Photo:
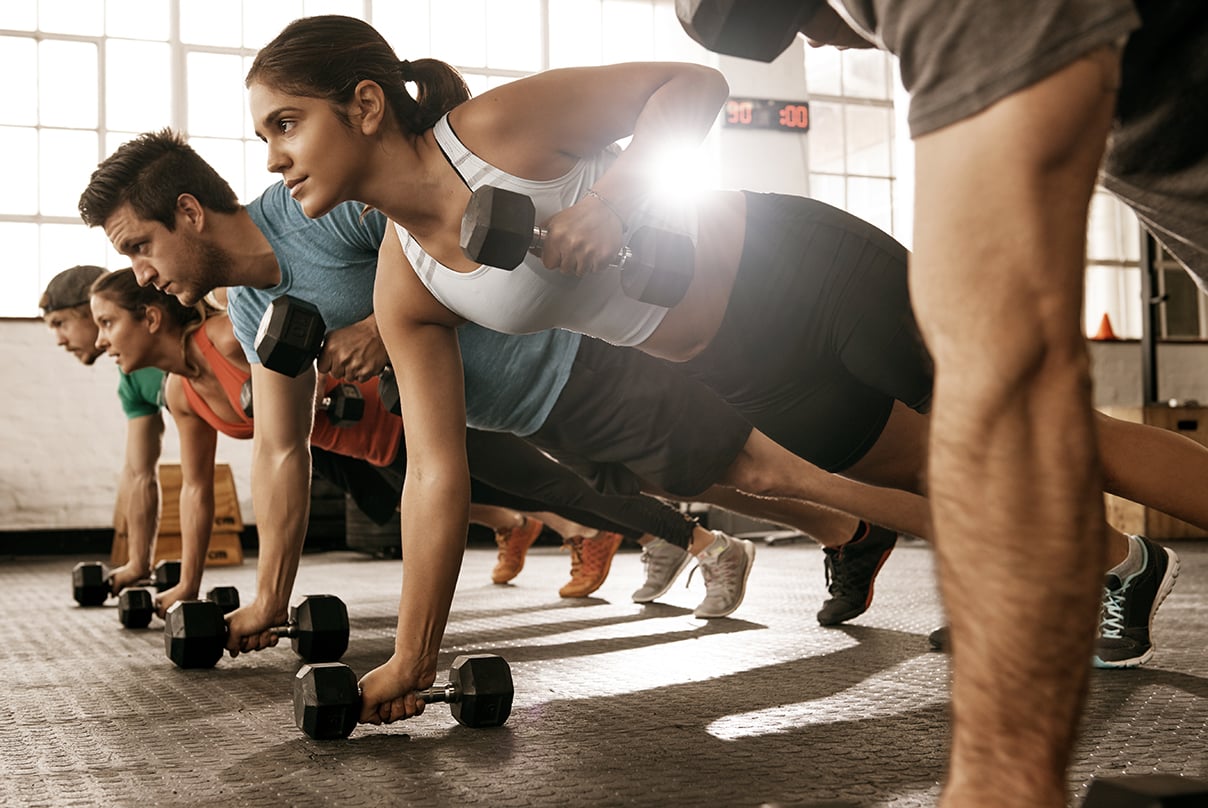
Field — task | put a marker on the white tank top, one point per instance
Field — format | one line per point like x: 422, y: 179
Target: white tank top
x: 532, y: 298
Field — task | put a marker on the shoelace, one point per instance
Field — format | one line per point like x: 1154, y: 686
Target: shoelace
x: 711, y: 571
x: 1112, y: 616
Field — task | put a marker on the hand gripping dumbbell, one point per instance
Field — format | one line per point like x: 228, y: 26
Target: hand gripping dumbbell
x: 327, y: 697
x: 90, y: 584
x: 499, y: 228
x: 741, y: 28
x: 136, y: 605
x: 195, y: 633
x: 343, y: 404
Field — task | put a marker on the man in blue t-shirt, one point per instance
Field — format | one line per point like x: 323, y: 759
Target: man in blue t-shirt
x: 66, y: 311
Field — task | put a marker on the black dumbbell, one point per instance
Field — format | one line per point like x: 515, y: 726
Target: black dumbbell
x: 136, y: 604
x: 290, y: 336
x: 327, y: 698
x: 195, y: 632
x: 758, y: 31
x: 1146, y: 791
x: 499, y: 228
x: 344, y: 405
x: 90, y: 584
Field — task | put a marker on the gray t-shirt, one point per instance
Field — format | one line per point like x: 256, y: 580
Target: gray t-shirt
x: 960, y: 56
x: 512, y: 382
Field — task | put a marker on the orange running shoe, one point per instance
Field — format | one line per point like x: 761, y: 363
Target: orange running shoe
x: 590, y: 560
x: 513, y: 546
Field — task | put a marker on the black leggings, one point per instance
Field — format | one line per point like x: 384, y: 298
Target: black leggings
x: 819, y: 337
x: 507, y: 471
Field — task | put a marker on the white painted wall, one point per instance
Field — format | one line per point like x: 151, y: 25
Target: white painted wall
x: 63, y: 437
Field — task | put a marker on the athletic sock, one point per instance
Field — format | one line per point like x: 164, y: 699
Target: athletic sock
x: 1131, y: 564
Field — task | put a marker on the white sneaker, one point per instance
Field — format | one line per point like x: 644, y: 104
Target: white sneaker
x: 724, y: 565
x: 664, y: 562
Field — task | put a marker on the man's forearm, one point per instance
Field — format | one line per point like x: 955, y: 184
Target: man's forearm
x: 281, y: 501
x: 139, y: 491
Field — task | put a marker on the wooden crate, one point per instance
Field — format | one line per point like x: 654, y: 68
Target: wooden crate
x: 225, y: 547
x: 1132, y: 517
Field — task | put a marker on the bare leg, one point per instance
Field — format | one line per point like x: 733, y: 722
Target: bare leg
x: 565, y: 527
x: 1152, y: 466
x: 1014, y: 475
x: 497, y: 518
x: 828, y: 527
x: 766, y: 469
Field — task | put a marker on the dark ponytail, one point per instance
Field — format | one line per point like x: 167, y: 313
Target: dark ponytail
x: 327, y: 56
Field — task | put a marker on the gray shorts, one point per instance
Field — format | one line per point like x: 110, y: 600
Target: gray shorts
x: 624, y: 418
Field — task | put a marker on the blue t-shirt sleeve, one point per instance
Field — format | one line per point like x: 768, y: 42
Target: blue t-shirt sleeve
x: 245, y: 310
x: 363, y: 230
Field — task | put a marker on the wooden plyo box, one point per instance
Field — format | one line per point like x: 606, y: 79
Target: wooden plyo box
x: 225, y: 548
x: 1132, y: 517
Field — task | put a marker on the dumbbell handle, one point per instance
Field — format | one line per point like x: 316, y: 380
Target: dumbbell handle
x: 447, y: 693
x: 538, y: 245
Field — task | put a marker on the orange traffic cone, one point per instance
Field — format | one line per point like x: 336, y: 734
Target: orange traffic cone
x: 1105, y: 329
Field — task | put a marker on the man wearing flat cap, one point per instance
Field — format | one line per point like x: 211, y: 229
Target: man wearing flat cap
x: 66, y: 310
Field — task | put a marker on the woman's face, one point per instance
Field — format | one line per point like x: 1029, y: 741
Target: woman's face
x: 316, y: 152
x: 121, y: 335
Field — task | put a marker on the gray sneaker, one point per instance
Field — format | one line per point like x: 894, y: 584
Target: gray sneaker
x: 725, y: 570
x: 664, y: 562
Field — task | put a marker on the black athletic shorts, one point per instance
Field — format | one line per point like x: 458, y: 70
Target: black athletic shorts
x: 623, y: 418
x: 819, y: 337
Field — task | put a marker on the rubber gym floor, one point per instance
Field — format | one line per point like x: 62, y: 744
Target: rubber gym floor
x: 615, y: 703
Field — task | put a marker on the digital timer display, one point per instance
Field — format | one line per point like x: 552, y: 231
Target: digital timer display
x: 767, y: 113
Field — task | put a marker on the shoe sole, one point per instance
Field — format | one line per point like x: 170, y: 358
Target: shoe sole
x: 670, y: 581
x: 748, y: 549
x: 1172, y: 575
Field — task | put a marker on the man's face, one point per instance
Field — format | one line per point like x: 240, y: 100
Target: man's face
x: 74, y: 330
x: 180, y: 262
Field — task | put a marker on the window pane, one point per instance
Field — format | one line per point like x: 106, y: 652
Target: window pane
x: 574, y: 32
x: 671, y: 44
x: 19, y: 99
x: 829, y: 188
x: 227, y: 157
x: 264, y: 19
x: 138, y: 93
x: 215, y: 94
x: 459, y: 32
x: 628, y: 31
x: 865, y: 73
x: 137, y: 19
x: 1113, y: 233
x: 349, y: 8
x: 20, y: 289
x: 66, y: 245
x: 18, y: 16
x: 211, y: 22
x: 19, y: 168
x: 67, y: 160
x: 405, y: 24
x: 71, y: 16
x: 515, y: 40
x: 826, y: 137
x: 1181, y: 311
x: 67, y: 73
x: 1117, y: 293
x: 871, y: 200
x: 822, y: 71
x: 868, y: 140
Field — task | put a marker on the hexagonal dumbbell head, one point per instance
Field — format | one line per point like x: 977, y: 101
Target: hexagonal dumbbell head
x: 758, y: 31
x: 245, y: 398
x: 165, y: 575
x: 343, y: 404
x: 484, y: 691
x: 226, y: 598
x: 319, y: 628
x: 194, y: 633
x: 660, y: 268
x: 327, y: 700
x: 290, y: 336
x: 388, y: 392
x: 135, y: 606
x: 1146, y: 791
x: 497, y: 227
x: 90, y: 583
